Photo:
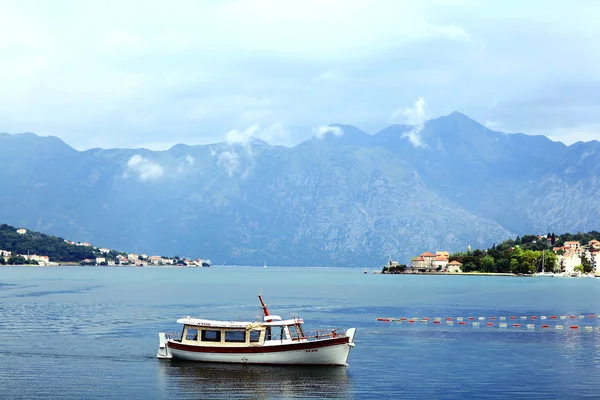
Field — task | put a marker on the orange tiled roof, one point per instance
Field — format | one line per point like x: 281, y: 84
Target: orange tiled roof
x: 427, y: 254
x: 441, y: 258
x: 419, y: 259
x: 454, y: 263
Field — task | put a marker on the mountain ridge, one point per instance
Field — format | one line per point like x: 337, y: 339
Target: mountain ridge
x: 325, y: 201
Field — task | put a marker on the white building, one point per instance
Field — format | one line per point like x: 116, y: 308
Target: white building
x: 569, y: 261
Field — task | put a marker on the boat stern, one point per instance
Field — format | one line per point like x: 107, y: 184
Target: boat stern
x: 163, y: 349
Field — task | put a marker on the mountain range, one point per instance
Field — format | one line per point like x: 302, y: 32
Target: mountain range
x: 345, y: 197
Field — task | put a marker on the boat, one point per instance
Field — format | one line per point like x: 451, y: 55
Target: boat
x: 366, y: 270
x: 265, y: 263
x: 206, y: 263
x: 271, y: 340
x: 543, y: 273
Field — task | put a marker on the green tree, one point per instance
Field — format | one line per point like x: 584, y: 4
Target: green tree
x: 587, y: 265
x: 528, y: 261
x: 579, y: 268
x: 514, y: 265
x: 488, y: 264
x: 550, y: 261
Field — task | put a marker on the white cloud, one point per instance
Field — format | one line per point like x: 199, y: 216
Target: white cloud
x: 415, y: 116
x: 136, y: 75
x: 235, y: 136
x: 143, y: 168
x: 321, y: 131
x: 412, y: 115
x: 330, y: 76
x: 230, y: 161
x: 276, y: 133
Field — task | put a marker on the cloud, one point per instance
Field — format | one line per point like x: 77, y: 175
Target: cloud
x: 235, y: 136
x: 415, y: 116
x: 133, y: 76
x: 321, y: 131
x: 276, y: 133
x: 330, y: 76
x: 143, y: 168
x: 230, y: 161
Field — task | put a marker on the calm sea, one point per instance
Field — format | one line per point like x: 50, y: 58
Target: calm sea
x: 87, y: 333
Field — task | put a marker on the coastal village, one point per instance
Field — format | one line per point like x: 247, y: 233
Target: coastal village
x: 107, y: 257
x: 570, y: 258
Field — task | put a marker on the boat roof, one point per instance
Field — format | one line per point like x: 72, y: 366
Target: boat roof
x: 235, y: 324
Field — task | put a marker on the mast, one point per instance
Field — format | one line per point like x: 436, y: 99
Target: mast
x: 543, y: 260
x: 263, y: 305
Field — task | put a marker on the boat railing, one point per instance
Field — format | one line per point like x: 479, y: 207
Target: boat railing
x: 176, y: 336
x: 326, y: 333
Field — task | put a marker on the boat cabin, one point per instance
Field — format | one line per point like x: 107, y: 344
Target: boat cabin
x: 204, y: 332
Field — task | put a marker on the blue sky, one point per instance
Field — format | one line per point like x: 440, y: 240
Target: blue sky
x: 153, y: 74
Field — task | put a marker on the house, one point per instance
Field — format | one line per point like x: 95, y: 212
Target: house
x: 454, y: 267
x: 155, y: 260
x: 132, y: 257
x: 595, y: 260
x: 110, y: 262
x: 42, y: 260
x: 440, y: 262
x: 104, y: 250
x: 21, y: 231
x: 569, y: 261
x: 5, y: 253
x: 423, y: 262
x: 100, y: 260
x: 594, y: 244
x: 572, y: 245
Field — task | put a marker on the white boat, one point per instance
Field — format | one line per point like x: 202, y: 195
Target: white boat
x: 270, y: 341
x: 543, y: 273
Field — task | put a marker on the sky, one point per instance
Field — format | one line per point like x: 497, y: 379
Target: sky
x: 156, y: 73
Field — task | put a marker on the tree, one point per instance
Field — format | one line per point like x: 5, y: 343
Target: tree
x: 587, y: 265
x: 529, y: 261
x: 553, y: 239
x: 550, y: 261
x: 488, y: 264
x: 514, y: 265
x: 579, y: 268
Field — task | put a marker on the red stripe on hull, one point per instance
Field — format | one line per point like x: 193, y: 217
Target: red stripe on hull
x: 259, y: 349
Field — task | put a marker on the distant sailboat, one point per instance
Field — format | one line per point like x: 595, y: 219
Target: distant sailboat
x: 543, y: 273
x: 366, y: 270
x: 265, y: 263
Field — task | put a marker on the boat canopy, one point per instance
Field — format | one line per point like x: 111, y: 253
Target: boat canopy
x: 213, y: 323
x: 236, y: 324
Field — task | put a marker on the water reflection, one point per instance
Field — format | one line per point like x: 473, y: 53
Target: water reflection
x: 183, y: 379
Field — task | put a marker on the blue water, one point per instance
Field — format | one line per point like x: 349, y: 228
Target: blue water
x: 87, y: 333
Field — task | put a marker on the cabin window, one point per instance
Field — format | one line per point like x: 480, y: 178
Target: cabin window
x: 211, y: 336
x: 191, y: 334
x: 254, y: 336
x: 275, y: 333
x: 235, y: 336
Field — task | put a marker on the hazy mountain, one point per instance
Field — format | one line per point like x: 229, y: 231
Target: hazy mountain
x: 344, y: 197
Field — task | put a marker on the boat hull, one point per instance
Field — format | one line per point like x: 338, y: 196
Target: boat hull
x: 333, y: 351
